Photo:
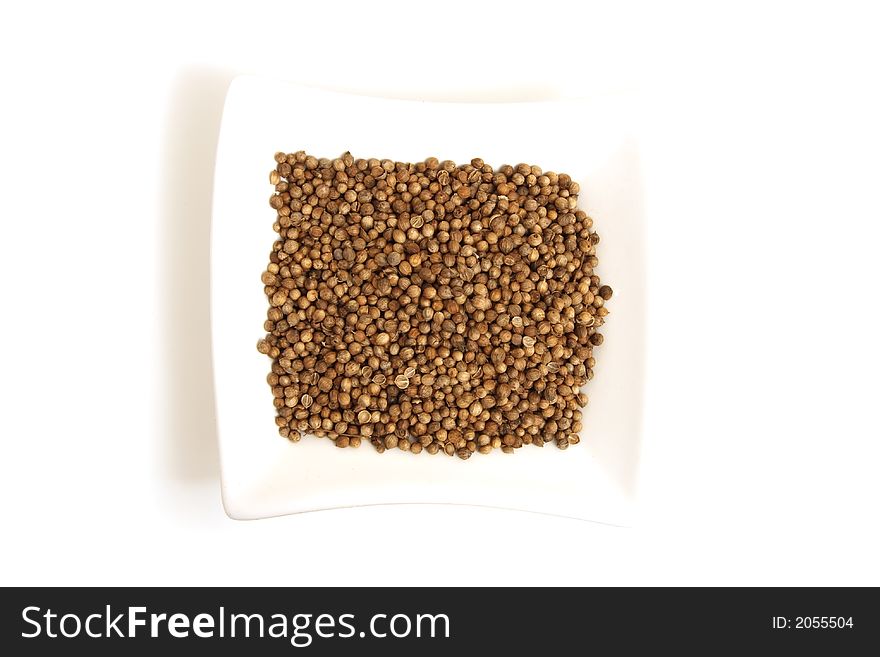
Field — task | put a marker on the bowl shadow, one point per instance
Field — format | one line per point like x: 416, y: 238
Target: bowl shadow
x: 192, y: 128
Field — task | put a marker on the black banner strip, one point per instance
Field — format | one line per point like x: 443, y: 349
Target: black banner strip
x: 435, y: 621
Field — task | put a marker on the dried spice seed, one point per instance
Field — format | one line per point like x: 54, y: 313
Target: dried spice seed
x: 430, y: 307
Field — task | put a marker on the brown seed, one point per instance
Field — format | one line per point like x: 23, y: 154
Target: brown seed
x: 472, y: 290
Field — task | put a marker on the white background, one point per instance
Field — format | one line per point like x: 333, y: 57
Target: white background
x: 761, y: 159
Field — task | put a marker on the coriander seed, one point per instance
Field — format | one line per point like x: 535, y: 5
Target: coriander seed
x: 430, y: 307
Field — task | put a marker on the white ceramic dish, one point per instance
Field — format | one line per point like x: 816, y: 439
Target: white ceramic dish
x: 265, y: 475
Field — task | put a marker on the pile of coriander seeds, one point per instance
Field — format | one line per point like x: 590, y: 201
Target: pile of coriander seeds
x: 430, y: 307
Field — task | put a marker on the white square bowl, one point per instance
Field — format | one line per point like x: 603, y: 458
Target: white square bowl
x: 592, y: 140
